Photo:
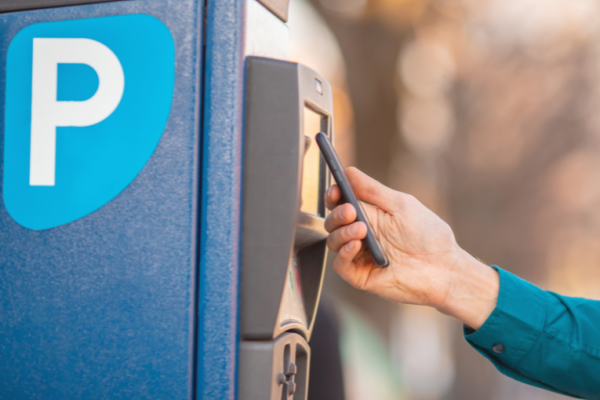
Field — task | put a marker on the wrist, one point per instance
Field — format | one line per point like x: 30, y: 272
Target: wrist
x: 473, y: 291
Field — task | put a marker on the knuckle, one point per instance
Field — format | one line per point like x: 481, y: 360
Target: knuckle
x: 405, y: 198
x: 333, y: 241
x: 330, y: 243
x: 336, y: 264
x: 329, y: 223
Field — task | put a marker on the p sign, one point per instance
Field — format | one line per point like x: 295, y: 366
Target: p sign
x: 87, y: 102
x: 47, y: 113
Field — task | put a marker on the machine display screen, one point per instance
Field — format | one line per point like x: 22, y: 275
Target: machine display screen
x: 312, y: 176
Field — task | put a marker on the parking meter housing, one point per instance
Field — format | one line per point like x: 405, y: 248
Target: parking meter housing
x: 283, y: 236
x: 105, y: 306
x: 141, y: 298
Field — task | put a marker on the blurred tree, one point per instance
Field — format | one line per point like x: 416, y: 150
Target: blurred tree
x: 516, y: 171
x: 371, y: 51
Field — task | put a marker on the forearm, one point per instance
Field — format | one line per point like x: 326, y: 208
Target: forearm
x: 542, y: 338
x: 531, y: 335
x: 473, y: 291
x: 537, y: 337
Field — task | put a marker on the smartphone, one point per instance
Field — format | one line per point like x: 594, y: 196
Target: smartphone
x: 349, y: 196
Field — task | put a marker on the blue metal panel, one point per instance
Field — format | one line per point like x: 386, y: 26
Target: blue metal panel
x: 221, y: 201
x: 104, y: 307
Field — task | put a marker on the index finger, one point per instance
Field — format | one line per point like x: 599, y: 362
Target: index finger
x: 333, y: 197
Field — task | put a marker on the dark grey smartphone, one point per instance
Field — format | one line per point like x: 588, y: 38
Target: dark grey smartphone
x: 349, y: 196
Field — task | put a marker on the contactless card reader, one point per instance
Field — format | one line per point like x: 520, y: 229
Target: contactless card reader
x: 283, y: 234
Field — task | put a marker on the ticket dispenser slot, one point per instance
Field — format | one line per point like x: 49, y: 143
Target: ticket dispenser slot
x: 283, y: 234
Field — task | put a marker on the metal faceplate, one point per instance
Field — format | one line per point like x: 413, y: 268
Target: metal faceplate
x: 276, y: 237
x: 274, y: 370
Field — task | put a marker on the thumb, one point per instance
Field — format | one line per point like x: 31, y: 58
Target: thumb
x: 370, y: 190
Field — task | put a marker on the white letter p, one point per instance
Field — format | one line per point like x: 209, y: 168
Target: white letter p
x: 47, y: 113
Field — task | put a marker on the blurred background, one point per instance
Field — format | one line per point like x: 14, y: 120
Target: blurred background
x: 487, y: 112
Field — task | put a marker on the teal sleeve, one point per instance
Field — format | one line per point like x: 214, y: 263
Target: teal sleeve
x: 542, y: 338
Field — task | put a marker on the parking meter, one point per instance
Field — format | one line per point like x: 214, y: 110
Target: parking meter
x: 162, y: 199
x: 283, y: 234
x: 99, y: 219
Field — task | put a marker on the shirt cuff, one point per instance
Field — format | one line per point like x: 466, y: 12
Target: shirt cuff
x: 514, y: 325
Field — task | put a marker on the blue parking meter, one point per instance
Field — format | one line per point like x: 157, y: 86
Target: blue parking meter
x: 99, y: 219
x: 122, y: 213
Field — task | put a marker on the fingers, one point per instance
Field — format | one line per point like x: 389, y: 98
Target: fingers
x: 342, y: 263
x: 372, y: 191
x: 340, y: 237
x: 333, y: 197
x: 340, y: 216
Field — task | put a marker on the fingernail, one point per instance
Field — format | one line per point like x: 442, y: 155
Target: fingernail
x: 353, y: 229
x: 349, y: 246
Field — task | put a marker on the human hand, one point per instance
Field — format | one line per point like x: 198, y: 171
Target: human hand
x: 427, y: 267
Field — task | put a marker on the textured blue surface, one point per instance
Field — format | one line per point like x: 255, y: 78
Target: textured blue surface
x: 221, y: 201
x: 103, y: 308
